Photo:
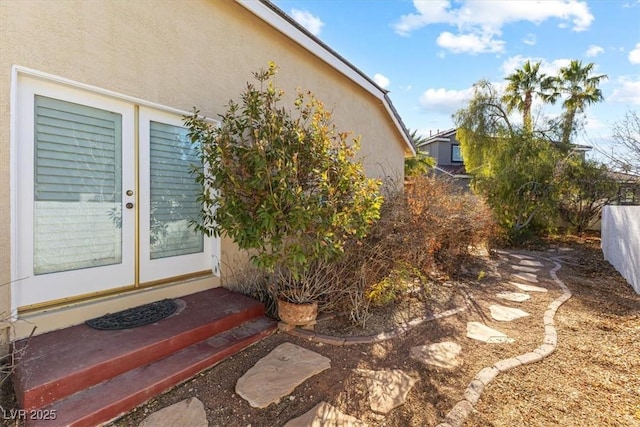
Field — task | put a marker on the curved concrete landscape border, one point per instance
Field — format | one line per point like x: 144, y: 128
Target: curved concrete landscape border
x: 461, y: 410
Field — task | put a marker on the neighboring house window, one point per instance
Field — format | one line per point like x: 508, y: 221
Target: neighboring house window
x: 456, y: 156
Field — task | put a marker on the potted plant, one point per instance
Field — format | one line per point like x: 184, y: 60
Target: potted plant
x: 287, y: 186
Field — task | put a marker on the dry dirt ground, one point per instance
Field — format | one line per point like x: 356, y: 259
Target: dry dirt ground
x: 592, y: 379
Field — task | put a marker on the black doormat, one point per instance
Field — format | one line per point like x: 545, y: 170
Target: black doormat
x: 136, y: 316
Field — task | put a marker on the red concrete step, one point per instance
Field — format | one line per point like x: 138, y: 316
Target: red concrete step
x: 113, y: 398
x: 60, y: 363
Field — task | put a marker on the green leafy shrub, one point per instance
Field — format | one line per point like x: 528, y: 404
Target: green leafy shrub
x: 583, y: 189
x: 282, y: 183
x: 399, y: 281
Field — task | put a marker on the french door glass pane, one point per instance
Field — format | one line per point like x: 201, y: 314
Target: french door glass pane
x: 173, y: 193
x: 78, y: 184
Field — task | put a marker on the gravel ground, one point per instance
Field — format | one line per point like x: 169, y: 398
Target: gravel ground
x: 592, y: 379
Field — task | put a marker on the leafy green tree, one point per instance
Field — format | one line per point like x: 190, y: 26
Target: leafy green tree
x: 580, y: 88
x: 283, y: 183
x: 511, y: 167
x: 525, y: 178
x: 583, y: 188
x: 523, y: 84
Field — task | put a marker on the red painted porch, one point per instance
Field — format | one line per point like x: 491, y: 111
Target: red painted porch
x: 87, y: 377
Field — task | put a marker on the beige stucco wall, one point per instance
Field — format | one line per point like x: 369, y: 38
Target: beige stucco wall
x: 178, y: 54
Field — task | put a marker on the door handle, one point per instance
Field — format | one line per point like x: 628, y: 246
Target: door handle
x: 129, y: 205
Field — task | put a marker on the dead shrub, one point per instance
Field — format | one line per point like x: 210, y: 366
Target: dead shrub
x: 451, y: 222
x: 429, y: 227
x: 432, y: 225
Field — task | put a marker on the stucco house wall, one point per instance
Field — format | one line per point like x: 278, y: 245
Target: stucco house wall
x: 180, y: 55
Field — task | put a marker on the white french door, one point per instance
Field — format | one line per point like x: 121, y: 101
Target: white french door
x: 168, y: 245
x: 104, y: 195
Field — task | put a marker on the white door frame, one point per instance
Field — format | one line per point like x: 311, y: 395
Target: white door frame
x: 31, y: 288
x: 24, y: 83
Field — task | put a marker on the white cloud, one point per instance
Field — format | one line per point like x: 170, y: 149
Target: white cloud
x: 470, y: 43
x: 381, y: 80
x: 627, y: 92
x: 594, y: 50
x: 312, y: 23
x: 480, y: 22
x: 530, y: 39
x: 634, y: 55
x: 510, y: 64
x: 594, y: 124
x: 445, y: 101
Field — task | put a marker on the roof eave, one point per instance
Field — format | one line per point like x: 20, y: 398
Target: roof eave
x: 282, y: 22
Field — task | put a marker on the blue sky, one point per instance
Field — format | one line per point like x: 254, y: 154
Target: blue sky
x: 429, y: 53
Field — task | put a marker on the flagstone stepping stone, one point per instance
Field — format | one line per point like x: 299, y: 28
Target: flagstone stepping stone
x: 521, y: 257
x: 527, y: 277
x: 188, y: 412
x: 441, y: 354
x: 387, y: 389
x: 481, y: 332
x: 506, y: 314
x: 513, y: 296
x: 525, y: 268
x: 531, y: 263
x: 279, y: 373
x: 324, y: 414
x: 529, y: 288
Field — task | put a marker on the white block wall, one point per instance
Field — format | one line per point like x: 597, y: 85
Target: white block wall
x: 621, y: 241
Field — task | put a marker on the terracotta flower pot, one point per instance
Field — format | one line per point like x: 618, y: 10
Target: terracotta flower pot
x: 297, y: 314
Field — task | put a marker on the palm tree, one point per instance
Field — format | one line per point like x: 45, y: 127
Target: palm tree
x: 581, y: 89
x: 421, y: 163
x: 418, y: 140
x: 523, y: 84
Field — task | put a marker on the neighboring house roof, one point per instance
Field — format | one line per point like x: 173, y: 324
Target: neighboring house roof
x: 282, y: 22
x: 622, y: 177
x: 444, y: 136
x: 581, y: 147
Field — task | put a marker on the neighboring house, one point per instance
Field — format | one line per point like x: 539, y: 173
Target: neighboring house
x: 445, y: 149
x: 92, y: 99
x: 628, y: 192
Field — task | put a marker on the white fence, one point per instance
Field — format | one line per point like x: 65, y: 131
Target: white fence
x: 621, y: 241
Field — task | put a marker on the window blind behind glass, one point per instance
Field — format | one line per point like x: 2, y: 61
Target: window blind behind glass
x: 174, y: 193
